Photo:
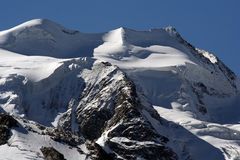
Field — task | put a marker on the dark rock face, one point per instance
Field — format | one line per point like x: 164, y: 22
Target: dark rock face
x: 121, y: 114
x: 97, y: 153
x: 92, y: 124
x: 92, y: 120
x: 6, y: 123
x: 4, y: 134
x: 7, y: 120
x: 50, y: 153
x: 140, y: 138
x: 111, y: 107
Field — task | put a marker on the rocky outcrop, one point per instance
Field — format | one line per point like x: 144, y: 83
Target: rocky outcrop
x: 7, y: 120
x: 4, y: 134
x: 130, y: 134
x: 6, y: 123
x: 50, y: 153
x: 66, y: 137
x: 109, y: 108
x: 111, y: 115
x: 97, y: 152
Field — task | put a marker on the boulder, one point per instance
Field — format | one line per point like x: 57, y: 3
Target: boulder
x: 50, y: 153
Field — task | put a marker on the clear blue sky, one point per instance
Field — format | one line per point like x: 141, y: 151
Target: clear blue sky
x: 213, y: 25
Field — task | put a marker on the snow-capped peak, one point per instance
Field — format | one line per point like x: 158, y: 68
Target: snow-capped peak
x: 115, y: 36
x: 43, y: 24
x: 109, y: 90
x: 44, y: 37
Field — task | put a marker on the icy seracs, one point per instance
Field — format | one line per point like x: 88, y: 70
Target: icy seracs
x: 123, y: 94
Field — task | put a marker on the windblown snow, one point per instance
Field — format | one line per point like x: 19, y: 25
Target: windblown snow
x: 189, y: 87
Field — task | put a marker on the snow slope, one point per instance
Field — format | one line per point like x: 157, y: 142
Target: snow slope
x: 188, y: 86
x: 27, y: 146
x: 195, y: 94
x: 44, y: 37
x: 30, y: 67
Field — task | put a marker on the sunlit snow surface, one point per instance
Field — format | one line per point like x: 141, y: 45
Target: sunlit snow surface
x: 163, y: 68
x: 34, y: 68
x: 163, y: 72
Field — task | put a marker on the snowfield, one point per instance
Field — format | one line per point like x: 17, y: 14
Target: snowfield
x: 45, y: 67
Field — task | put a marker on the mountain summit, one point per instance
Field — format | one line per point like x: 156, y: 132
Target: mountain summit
x: 122, y: 94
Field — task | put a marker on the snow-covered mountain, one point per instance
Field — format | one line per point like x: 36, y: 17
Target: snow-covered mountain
x: 123, y: 94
